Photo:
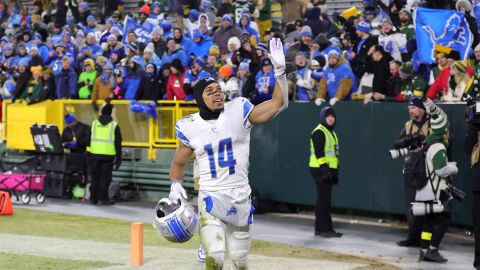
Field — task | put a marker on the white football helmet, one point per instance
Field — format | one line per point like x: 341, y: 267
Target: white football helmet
x: 176, y: 222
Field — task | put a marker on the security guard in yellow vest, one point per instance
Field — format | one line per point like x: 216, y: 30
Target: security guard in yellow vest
x: 412, y: 135
x: 104, y: 153
x: 324, y: 150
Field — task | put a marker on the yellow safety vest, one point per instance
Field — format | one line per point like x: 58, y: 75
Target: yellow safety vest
x: 331, y: 149
x: 102, y: 140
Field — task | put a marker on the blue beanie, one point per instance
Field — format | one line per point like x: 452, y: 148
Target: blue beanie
x: 200, y: 61
x: 108, y: 65
x: 306, y: 31
x: 206, y: 4
x: 155, y: 5
x: 91, y: 18
x: 4, y: 38
x: 70, y: 118
x: 9, y: 46
x: 197, y: 33
x: 363, y: 26
x: 83, y: 5
x: 417, y: 102
x: 227, y: 18
x: 194, y: 14
x: 23, y: 61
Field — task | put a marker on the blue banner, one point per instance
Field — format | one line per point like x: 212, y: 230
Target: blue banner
x: 143, y: 33
x: 448, y: 28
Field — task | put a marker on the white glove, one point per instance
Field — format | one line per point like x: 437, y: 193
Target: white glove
x: 277, y: 57
x: 319, y: 101
x: 177, y: 192
x: 333, y: 101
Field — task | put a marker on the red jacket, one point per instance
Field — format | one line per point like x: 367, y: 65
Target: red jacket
x: 440, y: 85
x: 175, y: 86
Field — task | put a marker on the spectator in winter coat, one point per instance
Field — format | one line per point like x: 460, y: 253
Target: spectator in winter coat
x: 316, y: 23
x: 149, y: 57
x: 104, y: 84
x: 306, y: 39
x: 300, y: 82
x: 36, y: 60
x: 111, y: 45
x: 244, y: 25
x: 159, y: 44
x: 66, y: 81
x: 174, y: 51
x: 48, y: 86
x: 132, y: 79
x: 184, y: 42
x: 21, y: 54
x: 22, y: 80
x: 86, y: 79
x: 201, y: 44
x: 264, y: 83
x: 406, y: 25
x: 392, y: 91
x: 43, y: 50
x: 393, y: 42
x: 228, y: 83
x: 149, y: 88
x: 193, y: 75
x: 411, y: 84
x: 175, y: 84
x: 378, y: 64
x: 451, y: 83
x: 442, y: 63
x: 466, y: 7
x: 246, y: 81
x: 31, y: 92
x: 337, y: 81
x: 360, y: 51
x: 225, y: 32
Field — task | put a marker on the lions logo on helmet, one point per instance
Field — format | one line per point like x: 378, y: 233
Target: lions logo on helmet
x: 176, y: 222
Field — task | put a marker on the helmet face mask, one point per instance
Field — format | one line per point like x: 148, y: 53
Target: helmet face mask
x: 175, y: 222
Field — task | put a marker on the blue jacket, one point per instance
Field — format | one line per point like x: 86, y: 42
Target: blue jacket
x: 130, y: 84
x: 335, y: 75
x: 66, y: 82
x: 178, y: 54
x: 44, y: 52
x: 154, y: 60
x: 264, y: 85
x: 201, y: 49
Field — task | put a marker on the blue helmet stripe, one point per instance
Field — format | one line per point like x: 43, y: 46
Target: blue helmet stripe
x: 178, y: 232
x: 174, y: 232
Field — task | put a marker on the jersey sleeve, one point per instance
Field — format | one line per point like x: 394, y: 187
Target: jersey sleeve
x: 181, y: 133
x: 247, y: 107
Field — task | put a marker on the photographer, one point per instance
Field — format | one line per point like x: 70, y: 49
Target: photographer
x: 472, y: 148
x: 411, y: 137
x: 434, y: 199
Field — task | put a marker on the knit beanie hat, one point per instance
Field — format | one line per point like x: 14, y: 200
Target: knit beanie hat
x: 363, y: 26
x: 227, y: 18
x: 461, y: 66
x: 89, y: 62
x: 70, y: 118
x: 214, y: 50
x: 406, y: 69
x: 438, y: 124
x: 262, y: 47
x: 306, y: 31
x: 226, y: 71
x: 387, y: 20
x: 417, y: 102
x: 406, y: 11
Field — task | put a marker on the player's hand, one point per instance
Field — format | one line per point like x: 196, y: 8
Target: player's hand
x: 277, y: 57
x: 177, y: 192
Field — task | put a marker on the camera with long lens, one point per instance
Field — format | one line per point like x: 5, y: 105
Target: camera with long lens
x: 426, y: 208
x: 396, y: 153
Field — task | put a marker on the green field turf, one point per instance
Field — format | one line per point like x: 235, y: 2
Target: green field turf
x: 48, y: 224
x: 15, y: 261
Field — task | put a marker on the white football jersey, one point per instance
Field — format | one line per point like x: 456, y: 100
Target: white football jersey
x: 222, y: 148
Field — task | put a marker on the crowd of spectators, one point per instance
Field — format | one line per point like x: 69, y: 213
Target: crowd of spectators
x: 60, y: 49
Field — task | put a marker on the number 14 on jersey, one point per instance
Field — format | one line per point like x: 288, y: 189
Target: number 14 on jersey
x: 225, y: 156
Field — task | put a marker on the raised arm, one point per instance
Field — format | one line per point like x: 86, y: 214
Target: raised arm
x: 264, y: 112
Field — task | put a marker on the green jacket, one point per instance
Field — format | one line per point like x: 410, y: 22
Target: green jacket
x: 85, y: 91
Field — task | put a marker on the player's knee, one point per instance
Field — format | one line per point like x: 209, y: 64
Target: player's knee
x: 239, y: 259
x: 215, y: 260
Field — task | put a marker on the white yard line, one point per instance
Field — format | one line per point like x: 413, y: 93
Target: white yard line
x: 154, y: 257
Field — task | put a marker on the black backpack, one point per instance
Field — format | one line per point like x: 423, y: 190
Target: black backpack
x: 417, y: 168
